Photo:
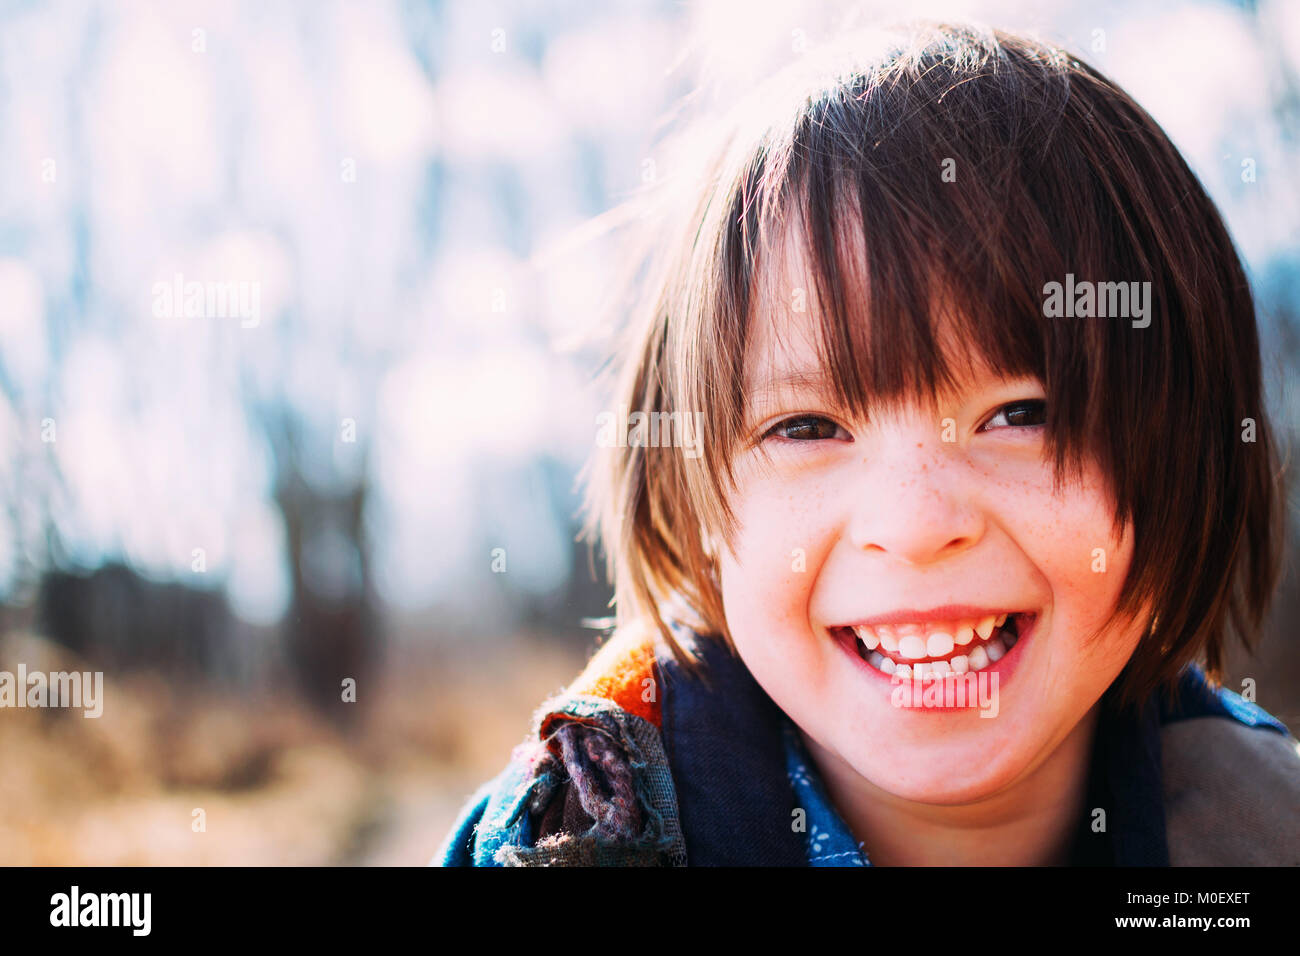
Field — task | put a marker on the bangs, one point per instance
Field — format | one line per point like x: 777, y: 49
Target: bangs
x: 893, y: 319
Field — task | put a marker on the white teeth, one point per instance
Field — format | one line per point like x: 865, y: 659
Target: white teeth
x: 939, y: 644
x: 910, y: 641
x: 912, y: 647
x: 868, y: 637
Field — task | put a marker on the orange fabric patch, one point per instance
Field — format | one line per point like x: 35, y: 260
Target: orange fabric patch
x: 623, y: 671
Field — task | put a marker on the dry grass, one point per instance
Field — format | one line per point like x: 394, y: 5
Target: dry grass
x: 277, y: 784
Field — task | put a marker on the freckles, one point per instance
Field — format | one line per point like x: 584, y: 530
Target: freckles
x: 1068, y: 537
x: 1086, y: 568
x: 1080, y: 554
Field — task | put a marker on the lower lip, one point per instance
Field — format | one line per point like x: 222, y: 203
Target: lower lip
x: 1003, y: 668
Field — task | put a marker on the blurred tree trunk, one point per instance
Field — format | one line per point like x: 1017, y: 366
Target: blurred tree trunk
x: 331, y: 629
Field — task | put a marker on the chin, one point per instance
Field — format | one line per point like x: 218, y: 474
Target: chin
x: 945, y: 769
x: 934, y: 785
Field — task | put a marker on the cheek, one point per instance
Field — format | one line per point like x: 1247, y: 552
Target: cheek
x: 1069, y: 539
x: 1067, y: 534
x: 1073, y: 546
x: 767, y: 584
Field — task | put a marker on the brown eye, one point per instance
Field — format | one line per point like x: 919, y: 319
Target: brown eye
x: 805, y: 428
x: 1026, y: 414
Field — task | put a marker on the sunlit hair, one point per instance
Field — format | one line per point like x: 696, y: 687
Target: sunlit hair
x: 1053, y: 170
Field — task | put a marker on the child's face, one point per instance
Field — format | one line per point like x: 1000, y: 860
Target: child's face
x: 856, y: 520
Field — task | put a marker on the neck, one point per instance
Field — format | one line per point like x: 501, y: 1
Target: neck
x: 1030, y: 823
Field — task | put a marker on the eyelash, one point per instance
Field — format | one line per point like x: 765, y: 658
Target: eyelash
x: 1038, y: 404
x: 795, y: 420
x: 1002, y: 410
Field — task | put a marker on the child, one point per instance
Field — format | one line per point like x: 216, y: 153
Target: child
x: 983, y: 484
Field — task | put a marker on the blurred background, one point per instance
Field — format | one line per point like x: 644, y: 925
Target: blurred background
x: 363, y: 465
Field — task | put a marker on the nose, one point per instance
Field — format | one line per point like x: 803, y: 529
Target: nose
x: 916, y: 502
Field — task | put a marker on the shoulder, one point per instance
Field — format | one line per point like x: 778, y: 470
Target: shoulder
x: 590, y: 784
x: 1231, y: 778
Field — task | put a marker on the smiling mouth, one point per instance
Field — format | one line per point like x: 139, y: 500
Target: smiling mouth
x: 957, y: 647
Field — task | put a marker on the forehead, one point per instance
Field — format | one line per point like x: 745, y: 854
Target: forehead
x: 789, y: 347
x: 784, y: 337
x: 784, y: 354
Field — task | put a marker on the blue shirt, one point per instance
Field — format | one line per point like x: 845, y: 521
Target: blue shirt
x: 829, y: 842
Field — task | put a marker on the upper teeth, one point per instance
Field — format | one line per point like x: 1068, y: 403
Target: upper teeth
x: 914, y: 642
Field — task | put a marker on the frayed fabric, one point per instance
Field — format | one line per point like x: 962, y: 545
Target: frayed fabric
x: 602, y: 792
x: 601, y: 774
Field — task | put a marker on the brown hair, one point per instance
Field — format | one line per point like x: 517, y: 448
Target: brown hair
x: 1057, y: 171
